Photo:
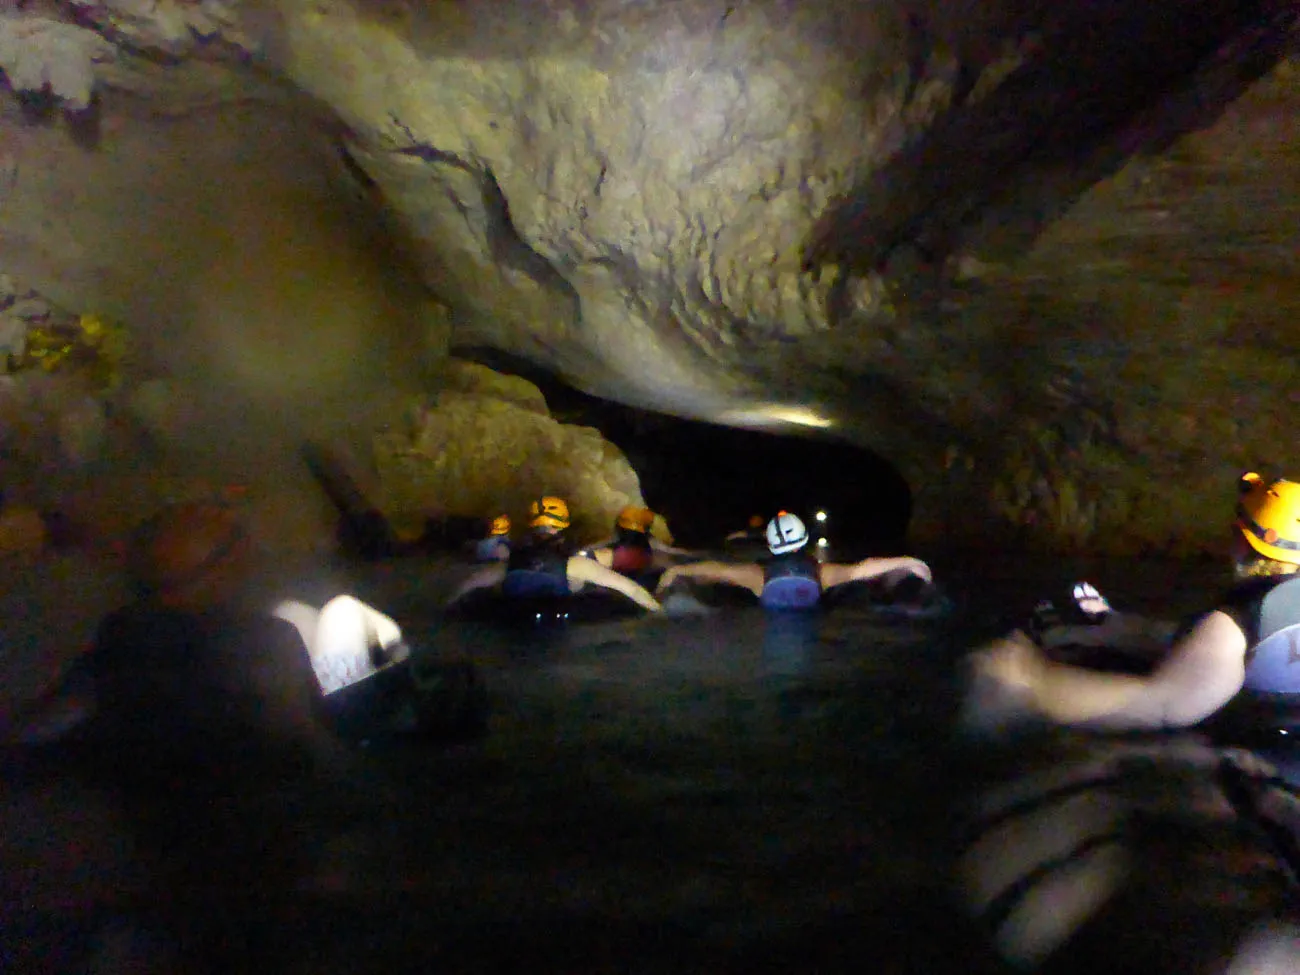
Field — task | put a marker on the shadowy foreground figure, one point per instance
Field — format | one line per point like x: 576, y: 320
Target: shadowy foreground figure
x: 204, y: 718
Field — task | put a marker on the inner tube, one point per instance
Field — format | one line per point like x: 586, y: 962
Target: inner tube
x: 381, y: 704
x: 416, y: 699
x: 791, y: 594
x: 1126, y: 643
x: 591, y: 605
x: 903, y: 598
x: 905, y: 601
x: 526, y: 584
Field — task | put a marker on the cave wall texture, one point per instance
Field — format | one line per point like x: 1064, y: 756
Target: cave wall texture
x: 1042, y: 256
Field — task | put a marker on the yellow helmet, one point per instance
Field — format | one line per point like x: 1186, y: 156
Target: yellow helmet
x: 500, y: 525
x: 636, y: 519
x: 549, y: 512
x: 1268, y: 516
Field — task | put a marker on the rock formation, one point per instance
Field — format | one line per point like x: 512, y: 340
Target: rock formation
x: 966, y: 235
x: 487, y: 444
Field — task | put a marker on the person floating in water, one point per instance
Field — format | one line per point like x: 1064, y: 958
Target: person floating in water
x: 633, y: 551
x: 1247, y: 643
x: 541, y: 566
x: 792, y: 578
x: 496, y: 546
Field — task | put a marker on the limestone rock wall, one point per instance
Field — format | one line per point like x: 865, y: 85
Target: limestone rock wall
x: 777, y: 214
x: 259, y: 288
x: 486, y: 444
x: 1143, y: 354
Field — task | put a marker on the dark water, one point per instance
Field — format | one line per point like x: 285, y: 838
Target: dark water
x: 725, y: 794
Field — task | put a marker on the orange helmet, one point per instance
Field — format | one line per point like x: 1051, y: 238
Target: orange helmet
x: 755, y: 521
x: 636, y: 519
x: 549, y: 512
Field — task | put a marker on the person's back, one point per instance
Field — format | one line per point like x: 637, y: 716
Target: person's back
x: 538, y: 566
x: 187, y: 684
x: 632, y: 552
x: 791, y: 577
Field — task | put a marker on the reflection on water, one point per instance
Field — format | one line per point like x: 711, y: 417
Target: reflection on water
x: 789, y: 642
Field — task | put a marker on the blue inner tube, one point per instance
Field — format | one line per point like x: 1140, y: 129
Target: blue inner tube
x: 413, y: 699
x: 791, y: 593
x: 903, y: 601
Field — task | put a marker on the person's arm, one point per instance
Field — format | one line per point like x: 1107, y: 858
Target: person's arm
x: 483, y: 578
x: 838, y: 575
x: 583, y: 570
x: 1203, y: 671
x: 746, y: 575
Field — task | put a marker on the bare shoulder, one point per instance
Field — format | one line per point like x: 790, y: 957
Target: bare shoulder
x: 834, y: 574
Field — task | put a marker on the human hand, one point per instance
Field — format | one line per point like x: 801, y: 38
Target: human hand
x: 919, y: 568
x: 666, y: 580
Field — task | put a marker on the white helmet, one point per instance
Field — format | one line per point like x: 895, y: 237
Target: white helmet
x: 786, y: 533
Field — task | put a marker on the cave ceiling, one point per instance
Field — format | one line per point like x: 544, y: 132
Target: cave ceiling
x: 1039, y: 245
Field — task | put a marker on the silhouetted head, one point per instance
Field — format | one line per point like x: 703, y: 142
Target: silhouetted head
x: 190, y: 555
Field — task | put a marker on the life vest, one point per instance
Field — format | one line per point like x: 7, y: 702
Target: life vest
x: 536, y: 571
x: 632, y: 552
x: 1273, y: 663
x: 791, y: 582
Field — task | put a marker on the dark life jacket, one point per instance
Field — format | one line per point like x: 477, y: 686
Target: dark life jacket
x: 791, y: 581
x: 537, y: 569
x: 194, y: 700
x: 1268, y: 611
x: 632, y: 552
x: 1273, y: 660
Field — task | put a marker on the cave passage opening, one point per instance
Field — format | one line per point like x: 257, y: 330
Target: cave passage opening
x: 707, y: 479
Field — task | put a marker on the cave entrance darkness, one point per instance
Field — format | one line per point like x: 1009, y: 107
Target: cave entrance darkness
x: 707, y: 479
